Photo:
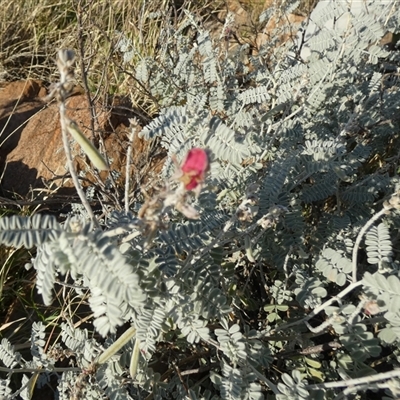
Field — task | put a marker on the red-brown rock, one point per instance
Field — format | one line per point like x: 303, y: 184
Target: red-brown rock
x: 31, y: 150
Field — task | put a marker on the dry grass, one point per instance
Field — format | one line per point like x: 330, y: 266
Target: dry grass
x: 31, y: 33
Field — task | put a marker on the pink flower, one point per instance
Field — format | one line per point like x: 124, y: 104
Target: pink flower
x: 194, y: 168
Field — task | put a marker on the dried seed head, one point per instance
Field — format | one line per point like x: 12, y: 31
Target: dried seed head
x: 66, y: 57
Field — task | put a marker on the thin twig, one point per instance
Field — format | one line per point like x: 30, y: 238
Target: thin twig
x: 362, y: 232
x: 199, y: 370
x: 81, y: 42
x: 66, y: 59
x: 318, y: 309
x: 356, y: 381
x: 71, y: 167
x: 264, y: 379
x: 128, y: 165
x: 38, y: 370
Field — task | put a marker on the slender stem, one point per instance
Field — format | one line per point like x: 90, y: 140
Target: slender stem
x: 81, y: 42
x: 318, y: 309
x: 264, y: 379
x: 65, y: 64
x: 38, y: 370
x: 128, y: 167
x: 362, y: 232
x: 356, y: 381
x: 117, y: 345
x: 134, y: 359
x: 71, y: 167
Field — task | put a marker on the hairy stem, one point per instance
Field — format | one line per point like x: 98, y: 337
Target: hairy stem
x: 362, y: 232
x: 71, y: 167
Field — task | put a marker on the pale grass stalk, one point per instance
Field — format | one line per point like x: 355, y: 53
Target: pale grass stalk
x: 117, y: 345
x: 128, y: 162
x: 65, y: 62
x: 356, y: 381
x: 318, y: 309
x: 361, y: 234
x: 71, y: 167
x: 39, y: 370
